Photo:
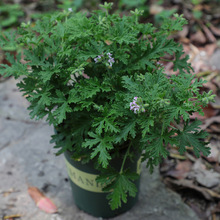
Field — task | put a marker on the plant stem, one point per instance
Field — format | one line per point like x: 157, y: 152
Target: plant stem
x: 125, y: 157
x: 177, y: 126
x: 172, y: 127
x: 136, y: 19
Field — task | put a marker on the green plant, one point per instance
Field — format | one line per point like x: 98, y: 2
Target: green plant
x: 124, y: 6
x: 129, y: 4
x: 7, y: 42
x: 9, y: 17
x: 74, y: 5
x: 98, y: 80
x: 165, y: 14
x: 9, y: 14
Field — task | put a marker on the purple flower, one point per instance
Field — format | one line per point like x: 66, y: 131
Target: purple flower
x: 159, y: 64
x: 111, y: 60
x: 98, y: 58
x: 136, y: 105
x: 106, y: 58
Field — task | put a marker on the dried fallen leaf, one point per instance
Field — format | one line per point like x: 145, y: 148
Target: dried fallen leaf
x: 47, y: 205
x: 216, y: 104
x: 198, y: 37
x: 215, y: 128
x: 198, y: 7
x: 196, y: 208
x: 217, y: 208
x: 155, y: 9
x: 203, y: 73
x: 215, y: 30
x: 214, y: 153
x: 181, y: 170
x: 208, y: 33
x: 212, y: 75
x: 11, y: 217
x: 41, y: 200
x: 205, y: 177
x: 213, y: 193
x: 210, y: 48
x: 184, y: 183
x: 108, y: 42
x: 216, y: 80
x: 209, y: 121
x: 209, y: 112
x: 211, y: 86
x: 184, y: 32
x: 177, y: 156
x: 184, y: 40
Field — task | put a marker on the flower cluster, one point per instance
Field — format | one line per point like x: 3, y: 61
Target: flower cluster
x: 106, y: 58
x: 160, y: 64
x: 137, y: 105
x: 98, y: 58
x: 110, y: 60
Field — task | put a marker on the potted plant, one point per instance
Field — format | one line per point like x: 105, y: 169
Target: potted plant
x: 98, y: 80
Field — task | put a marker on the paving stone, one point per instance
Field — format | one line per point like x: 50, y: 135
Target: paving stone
x: 12, y: 104
x: 27, y: 158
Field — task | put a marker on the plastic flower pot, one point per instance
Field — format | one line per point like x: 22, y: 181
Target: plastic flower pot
x: 87, y: 193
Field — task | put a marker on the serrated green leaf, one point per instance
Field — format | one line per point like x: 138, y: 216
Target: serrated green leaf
x: 105, y: 124
x: 121, y: 185
x: 156, y: 148
x: 61, y: 111
x: 145, y: 125
x: 191, y: 136
x: 101, y: 147
x: 181, y: 63
x: 128, y: 129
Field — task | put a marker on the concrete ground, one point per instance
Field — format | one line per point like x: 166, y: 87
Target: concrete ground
x: 27, y: 158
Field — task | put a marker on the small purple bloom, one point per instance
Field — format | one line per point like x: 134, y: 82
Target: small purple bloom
x: 105, y: 58
x: 160, y: 64
x: 136, y: 105
x: 98, y: 58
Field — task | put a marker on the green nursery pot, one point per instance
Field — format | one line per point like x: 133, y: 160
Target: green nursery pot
x: 88, y: 194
